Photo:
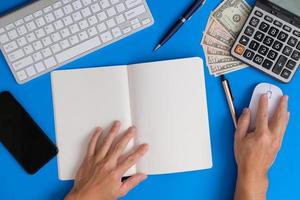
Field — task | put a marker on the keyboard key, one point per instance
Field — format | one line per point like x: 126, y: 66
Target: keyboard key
x: 292, y: 41
x: 3, y: 39
x: 55, y: 37
x: 77, y: 5
x: 92, y: 20
x: 282, y: 36
x: 101, y: 27
x: 249, y: 54
x: 296, y: 33
x: 254, y: 22
x: 77, y: 50
x: 31, y: 26
x: 40, y: 67
x: 277, y: 45
x: 47, y: 41
x: 111, y: 23
x: 9, y: 26
x: 30, y: 71
x: 74, y: 28
x: 146, y: 21
x: 30, y: 37
x: 104, y: 3
x: 56, y: 48
x: 9, y: 47
x: 264, y: 27
x: 296, y: 55
x: 64, y: 44
x: 68, y: 20
x: 106, y: 37
x: 49, y: 18
x: 77, y: 16
x: 272, y: 55
x: 37, y: 45
x: 59, y: 14
x: 68, y: 9
x: 286, y: 73
x: 291, y: 64
x: 135, y: 12
x: 263, y: 50
x: 58, y: 4
x: 254, y: 45
x: 120, y: 7
x: 12, y: 34
x: 40, y: 33
x: 22, y: 63
x: 287, y: 28
x: 47, y: 9
x: 258, y: 59
x: 268, y: 19
x: 83, y: 35
x: 279, y: 65
x: 136, y: 26
x: 268, y: 41
x: 92, y: 31
x: 73, y: 40
x: 65, y: 32
x: 21, y: 41
x: 58, y: 25
x: 259, y: 36
x: 28, y: 18
x: 116, y: 32
x: 249, y: 31
x: 19, y: 22
x: 132, y: 3
x: 244, y: 40
x: 16, y: 55
x: 120, y: 19
x: 83, y: 24
x: 114, y: 1
x: 37, y: 56
x: 46, y: 52
x: 126, y: 30
x: 278, y: 23
x: 28, y: 49
x: 267, y: 64
x: 21, y: 75
x: 40, y: 22
x: 22, y: 30
x: 102, y: 16
x: 86, y: 2
x: 86, y: 12
x: 50, y: 62
x: 273, y: 31
x: 95, y: 8
x: 239, y: 49
x: 258, y: 13
x: 287, y: 51
x: 111, y: 12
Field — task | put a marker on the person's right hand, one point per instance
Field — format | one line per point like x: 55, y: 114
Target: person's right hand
x: 256, y: 151
x: 100, y: 175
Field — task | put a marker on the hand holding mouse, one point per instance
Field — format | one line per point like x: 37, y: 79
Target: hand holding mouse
x: 256, y: 151
x: 100, y: 175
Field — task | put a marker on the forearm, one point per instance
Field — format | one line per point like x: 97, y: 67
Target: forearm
x: 251, y: 186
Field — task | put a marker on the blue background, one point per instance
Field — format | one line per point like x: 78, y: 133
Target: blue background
x: 214, y: 184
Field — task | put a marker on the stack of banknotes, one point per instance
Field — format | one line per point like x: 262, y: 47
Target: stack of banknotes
x: 222, y: 29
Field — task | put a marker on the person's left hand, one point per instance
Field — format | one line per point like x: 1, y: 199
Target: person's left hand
x: 100, y: 175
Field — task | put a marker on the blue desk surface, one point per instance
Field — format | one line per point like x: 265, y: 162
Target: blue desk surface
x: 215, y: 184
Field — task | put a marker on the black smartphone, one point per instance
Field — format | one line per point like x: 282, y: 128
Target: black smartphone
x: 22, y: 137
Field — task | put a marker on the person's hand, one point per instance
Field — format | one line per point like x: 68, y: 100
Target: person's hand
x: 100, y: 175
x: 256, y: 151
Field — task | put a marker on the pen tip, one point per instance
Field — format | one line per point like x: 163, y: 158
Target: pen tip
x: 157, y: 47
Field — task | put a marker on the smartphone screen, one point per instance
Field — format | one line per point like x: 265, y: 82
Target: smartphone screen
x: 22, y: 137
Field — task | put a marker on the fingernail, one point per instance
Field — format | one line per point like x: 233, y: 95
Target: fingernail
x: 146, y: 147
x: 246, y: 110
x: 133, y: 128
x: 117, y: 123
x: 286, y: 98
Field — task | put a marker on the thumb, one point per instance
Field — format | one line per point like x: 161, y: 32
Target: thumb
x: 131, y: 182
x: 243, y: 124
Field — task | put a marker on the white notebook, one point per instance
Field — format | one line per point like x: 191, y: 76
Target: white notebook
x: 165, y: 100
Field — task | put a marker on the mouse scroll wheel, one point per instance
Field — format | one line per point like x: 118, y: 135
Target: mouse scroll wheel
x: 269, y: 93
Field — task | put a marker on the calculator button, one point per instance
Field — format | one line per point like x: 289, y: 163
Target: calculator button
x: 249, y: 54
x: 277, y: 45
x: 292, y: 41
x: 272, y: 55
x: 287, y: 28
x: 263, y: 50
x: 286, y: 73
x: 258, y: 13
x: 282, y: 36
x: 279, y: 65
x: 273, y: 31
x: 287, y: 51
x: 264, y: 27
x: 268, y: 41
x: 254, y: 45
x: 296, y: 33
x: 254, y: 22
x: 249, y: 31
x: 259, y: 36
x: 267, y: 64
x: 244, y: 40
x: 258, y: 59
x: 298, y: 46
x: 296, y: 55
x: 268, y: 18
x: 239, y: 49
x: 291, y: 64
x: 278, y: 23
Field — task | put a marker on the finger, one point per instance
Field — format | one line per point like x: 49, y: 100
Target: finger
x: 132, y: 159
x: 281, y: 117
x: 123, y: 143
x: 131, y: 183
x: 243, y: 124
x: 108, y: 140
x: 262, y: 113
x: 93, y: 142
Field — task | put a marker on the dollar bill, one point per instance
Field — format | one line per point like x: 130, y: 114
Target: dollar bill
x: 227, y: 71
x: 210, y: 41
x: 216, y: 31
x: 212, y: 59
x: 219, y: 67
x: 232, y: 14
x: 209, y: 50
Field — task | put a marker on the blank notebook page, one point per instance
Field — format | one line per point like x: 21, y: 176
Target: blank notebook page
x: 169, y: 108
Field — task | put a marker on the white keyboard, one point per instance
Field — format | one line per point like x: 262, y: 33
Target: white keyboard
x: 47, y: 34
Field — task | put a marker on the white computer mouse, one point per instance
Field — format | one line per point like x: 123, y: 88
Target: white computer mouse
x: 274, y: 93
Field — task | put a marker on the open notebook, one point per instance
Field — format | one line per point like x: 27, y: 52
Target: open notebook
x: 165, y: 100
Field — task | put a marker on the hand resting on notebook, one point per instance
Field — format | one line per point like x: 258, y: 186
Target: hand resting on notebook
x: 255, y: 152
x: 101, y: 172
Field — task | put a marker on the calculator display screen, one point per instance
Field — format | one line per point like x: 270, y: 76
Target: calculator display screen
x: 292, y: 6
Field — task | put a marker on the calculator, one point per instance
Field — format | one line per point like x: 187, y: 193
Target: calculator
x: 270, y: 38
